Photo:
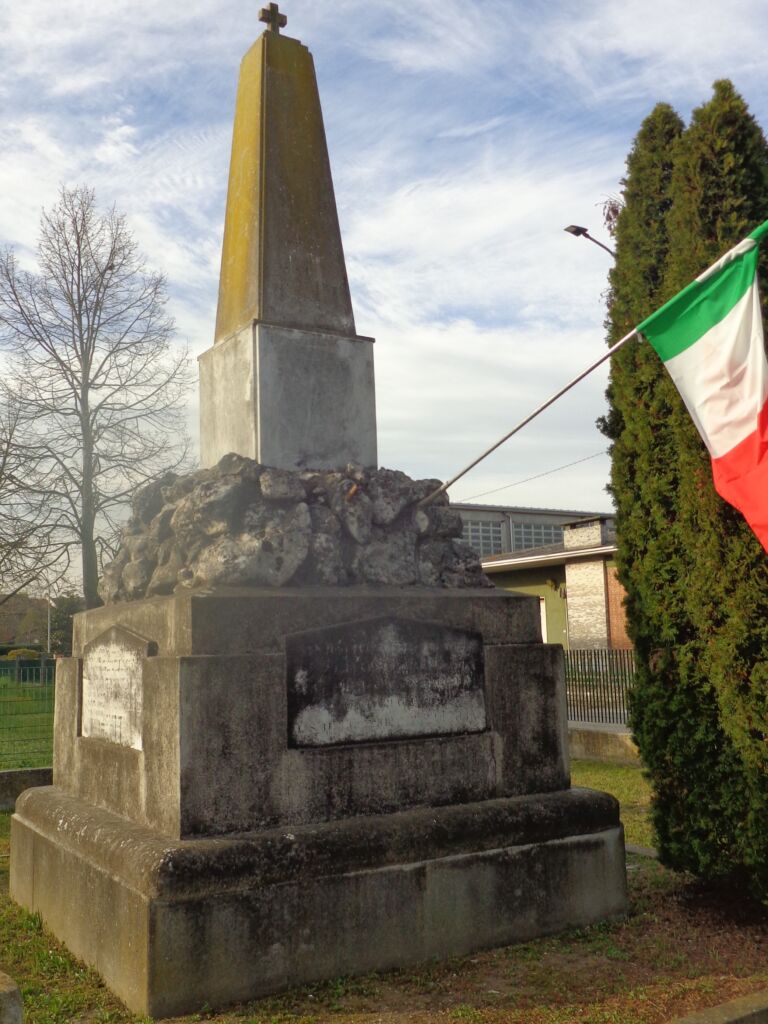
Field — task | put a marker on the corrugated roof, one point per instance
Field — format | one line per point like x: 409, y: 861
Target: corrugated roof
x: 524, y: 508
x: 544, y: 549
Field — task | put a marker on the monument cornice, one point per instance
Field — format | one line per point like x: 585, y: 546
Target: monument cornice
x: 260, y: 322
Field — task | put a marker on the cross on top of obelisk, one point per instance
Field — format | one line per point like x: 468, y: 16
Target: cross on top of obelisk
x: 274, y: 19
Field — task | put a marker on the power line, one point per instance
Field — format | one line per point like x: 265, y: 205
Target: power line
x: 536, y: 477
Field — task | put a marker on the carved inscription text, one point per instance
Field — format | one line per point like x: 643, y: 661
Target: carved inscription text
x: 112, y: 690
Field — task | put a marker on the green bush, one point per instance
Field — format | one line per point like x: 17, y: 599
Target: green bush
x: 22, y: 652
x: 696, y: 577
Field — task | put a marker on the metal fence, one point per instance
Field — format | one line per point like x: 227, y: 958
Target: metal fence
x: 26, y: 716
x: 597, y: 684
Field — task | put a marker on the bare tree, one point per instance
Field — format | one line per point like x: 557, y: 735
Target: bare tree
x: 89, y: 344
x: 30, y: 550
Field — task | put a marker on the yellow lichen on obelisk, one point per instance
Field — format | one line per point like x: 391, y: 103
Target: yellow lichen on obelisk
x: 287, y: 381
x: 282, y: 259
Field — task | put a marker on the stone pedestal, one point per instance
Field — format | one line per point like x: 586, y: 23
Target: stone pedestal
x: 258, y: 789
x: 290, y: 398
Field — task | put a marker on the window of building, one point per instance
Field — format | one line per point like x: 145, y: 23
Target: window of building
x: 534, y: 535
x: 484, y: 536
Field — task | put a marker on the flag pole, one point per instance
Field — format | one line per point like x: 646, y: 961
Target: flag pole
x: 545, y: 405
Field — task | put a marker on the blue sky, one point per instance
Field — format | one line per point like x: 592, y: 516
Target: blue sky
x: 463, y: 134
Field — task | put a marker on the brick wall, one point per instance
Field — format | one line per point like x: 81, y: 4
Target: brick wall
x: 617, y: 616
x: 583, y: 535
x: 587, y: 607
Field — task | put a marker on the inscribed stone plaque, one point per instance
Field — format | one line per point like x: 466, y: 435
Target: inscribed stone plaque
x: 112, y: 687
x: 383, y: 680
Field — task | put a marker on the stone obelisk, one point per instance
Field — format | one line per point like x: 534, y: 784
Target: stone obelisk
x: 287, y: 382
x: 266, y: 774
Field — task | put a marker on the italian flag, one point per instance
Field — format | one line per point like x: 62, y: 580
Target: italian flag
x: 710, y: 337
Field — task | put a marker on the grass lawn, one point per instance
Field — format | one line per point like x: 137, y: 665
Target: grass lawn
x: 26, y: 724
x: 682, y: 947
x: 630, y: 788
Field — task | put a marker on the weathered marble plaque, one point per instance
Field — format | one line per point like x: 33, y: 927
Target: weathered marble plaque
x: 112, y: 687
x: 383, y: 680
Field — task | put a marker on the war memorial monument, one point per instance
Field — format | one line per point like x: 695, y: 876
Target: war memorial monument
x: 304, y: 737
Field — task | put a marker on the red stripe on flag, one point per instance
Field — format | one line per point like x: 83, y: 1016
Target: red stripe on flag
x: 741, y: 477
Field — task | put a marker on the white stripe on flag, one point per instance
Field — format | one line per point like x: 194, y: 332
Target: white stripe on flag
x: 747, y: 245
x: 723, y: 378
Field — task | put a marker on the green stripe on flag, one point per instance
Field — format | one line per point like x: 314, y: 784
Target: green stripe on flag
x: 702, y: 304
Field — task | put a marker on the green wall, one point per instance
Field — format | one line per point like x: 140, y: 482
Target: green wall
x: 536, y: 582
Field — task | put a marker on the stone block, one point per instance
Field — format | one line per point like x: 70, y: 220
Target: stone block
x: 11, y: 1011
x: 172, y: 925
x: 347, y: 704
x: 289, y: 398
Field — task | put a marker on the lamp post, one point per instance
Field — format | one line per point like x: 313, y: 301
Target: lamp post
x: 574, y: 229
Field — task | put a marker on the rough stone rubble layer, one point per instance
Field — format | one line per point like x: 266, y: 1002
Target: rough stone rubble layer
x: 243, y: 523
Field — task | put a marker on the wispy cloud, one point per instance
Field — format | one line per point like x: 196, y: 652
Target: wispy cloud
x: 463, y: 137
x: 471, y: 131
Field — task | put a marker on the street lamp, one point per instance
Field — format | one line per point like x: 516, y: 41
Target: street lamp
x: 574, y: 229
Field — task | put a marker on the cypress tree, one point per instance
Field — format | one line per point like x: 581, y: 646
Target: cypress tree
x: 639, y: 391
x: 641, y: 398
x: 697, y: 579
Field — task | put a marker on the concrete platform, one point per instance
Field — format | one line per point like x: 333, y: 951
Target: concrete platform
x: 590, y: 741
x: 746, y: 1010
x: 172, y: 925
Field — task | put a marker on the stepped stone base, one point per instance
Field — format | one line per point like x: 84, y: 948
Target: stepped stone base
x: 256, y: 789
x: 174, y: 924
